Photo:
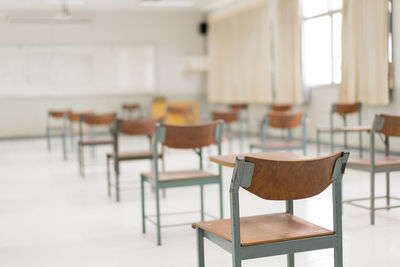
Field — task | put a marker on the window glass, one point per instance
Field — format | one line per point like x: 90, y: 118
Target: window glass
x: 314, y: 7
x: 337, y: 47
x: 317, y: 51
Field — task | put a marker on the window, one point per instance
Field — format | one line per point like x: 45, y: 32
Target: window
x: 322, y: 34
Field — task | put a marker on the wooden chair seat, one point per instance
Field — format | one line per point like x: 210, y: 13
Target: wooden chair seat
x: 132, y: 155
x: 277, y: 144
x: 380, y: 161
x: 99, y: 141
x: 264, y: 229
x: 170, y: 176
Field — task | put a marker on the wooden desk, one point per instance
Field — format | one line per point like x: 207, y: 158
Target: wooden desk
x: 229, y: 160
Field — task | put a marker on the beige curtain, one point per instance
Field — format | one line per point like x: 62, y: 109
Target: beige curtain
x: 365, y: 52
x: 239, y: 55
x: 288, y: 75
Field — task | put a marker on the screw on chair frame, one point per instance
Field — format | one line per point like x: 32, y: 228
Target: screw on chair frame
x: 93, y: 120
x: 138, y: 127
x: 243, y: 175
x: 342, y: 110
x: 161, y: 137
x: 284, y: 121
x: 385, y: 126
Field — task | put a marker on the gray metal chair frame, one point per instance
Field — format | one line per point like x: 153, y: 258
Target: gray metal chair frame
x: 264, y: 136
x: 117, y: 159
x: 157, y: 185
x: 242, y: 177
x: 377, y: 126
x: 61, y: 130
x: 81, y: 144
x: 332, y: 130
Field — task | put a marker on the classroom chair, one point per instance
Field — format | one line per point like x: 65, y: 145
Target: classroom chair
x: 182, y: 137
x: 73, y: 118
x: 61, y: 116
x: 230, y: 118
x: 284, y: 121
x: 187, y: 112
x: 384, y: 126
x: 129, y: 108
x: 133, y: 128
x: 283, y: 179
x: 93, y: 121
x: 343, y: 110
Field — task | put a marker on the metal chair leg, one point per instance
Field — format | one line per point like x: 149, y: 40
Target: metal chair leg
x: 116, y: 180
x: 108, y: 177
x: 200, y: 247
x: 158, y: 216
x: 236, y: 261
x: 81, y: 160
x: 372, y: 207
x: 221, y: 205
x: 290, y: 260
x: 202, y: 202
x: 388, y: 190
x: 338, y: 252
x: 143, y: 205
x: 48, y: 138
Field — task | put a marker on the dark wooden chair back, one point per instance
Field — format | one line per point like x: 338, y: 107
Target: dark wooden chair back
x: 138, y: 127
x: 190, y: 137
x: 284, y: 120
x: 344, y: 109
x: 75, y: 116
x: 291, y: 179
x: 281, y: 107
x: 238, y: 107
x: 99, y: 119
x: 130, y: 106
x: 226, y: 116
x: 391, y: 125
x: 58, y: 113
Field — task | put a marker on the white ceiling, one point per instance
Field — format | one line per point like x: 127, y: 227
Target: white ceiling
x: 105, y: 5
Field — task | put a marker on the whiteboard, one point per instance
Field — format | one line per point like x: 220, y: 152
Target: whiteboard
x: 63, y: 70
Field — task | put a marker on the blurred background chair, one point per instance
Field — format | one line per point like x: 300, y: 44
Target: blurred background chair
x: 132, y: 128
x: 93, y: 121
x: 231, y: 119
x: 384, y: 126
x: 343, y: 110
x: 61, y: 117
x: 286, y: 122
x: 130, y: 109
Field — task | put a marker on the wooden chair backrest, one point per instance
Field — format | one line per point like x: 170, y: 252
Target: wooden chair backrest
x: 190, y: 137
x: 291, y: 179
x: 130, y: 106
x: 284, y: 120
x: 99, y: 119
x: 58, y: 113
x: 159, y: 99
x: 226, y: 116
x: 281, y: 107
x: 74, y: 116
x: 238, y: 107
x: 180, y: 110
x: 391, y: 125
x: 344, y: 109
x: 138, y: 127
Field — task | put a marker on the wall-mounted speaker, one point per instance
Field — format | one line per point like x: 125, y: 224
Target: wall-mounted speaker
x: 203, y: 28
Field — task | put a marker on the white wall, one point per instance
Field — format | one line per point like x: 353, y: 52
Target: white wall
x: 174, y: 34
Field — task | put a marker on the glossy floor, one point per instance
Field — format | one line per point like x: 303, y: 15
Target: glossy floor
x: 49, y: 216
